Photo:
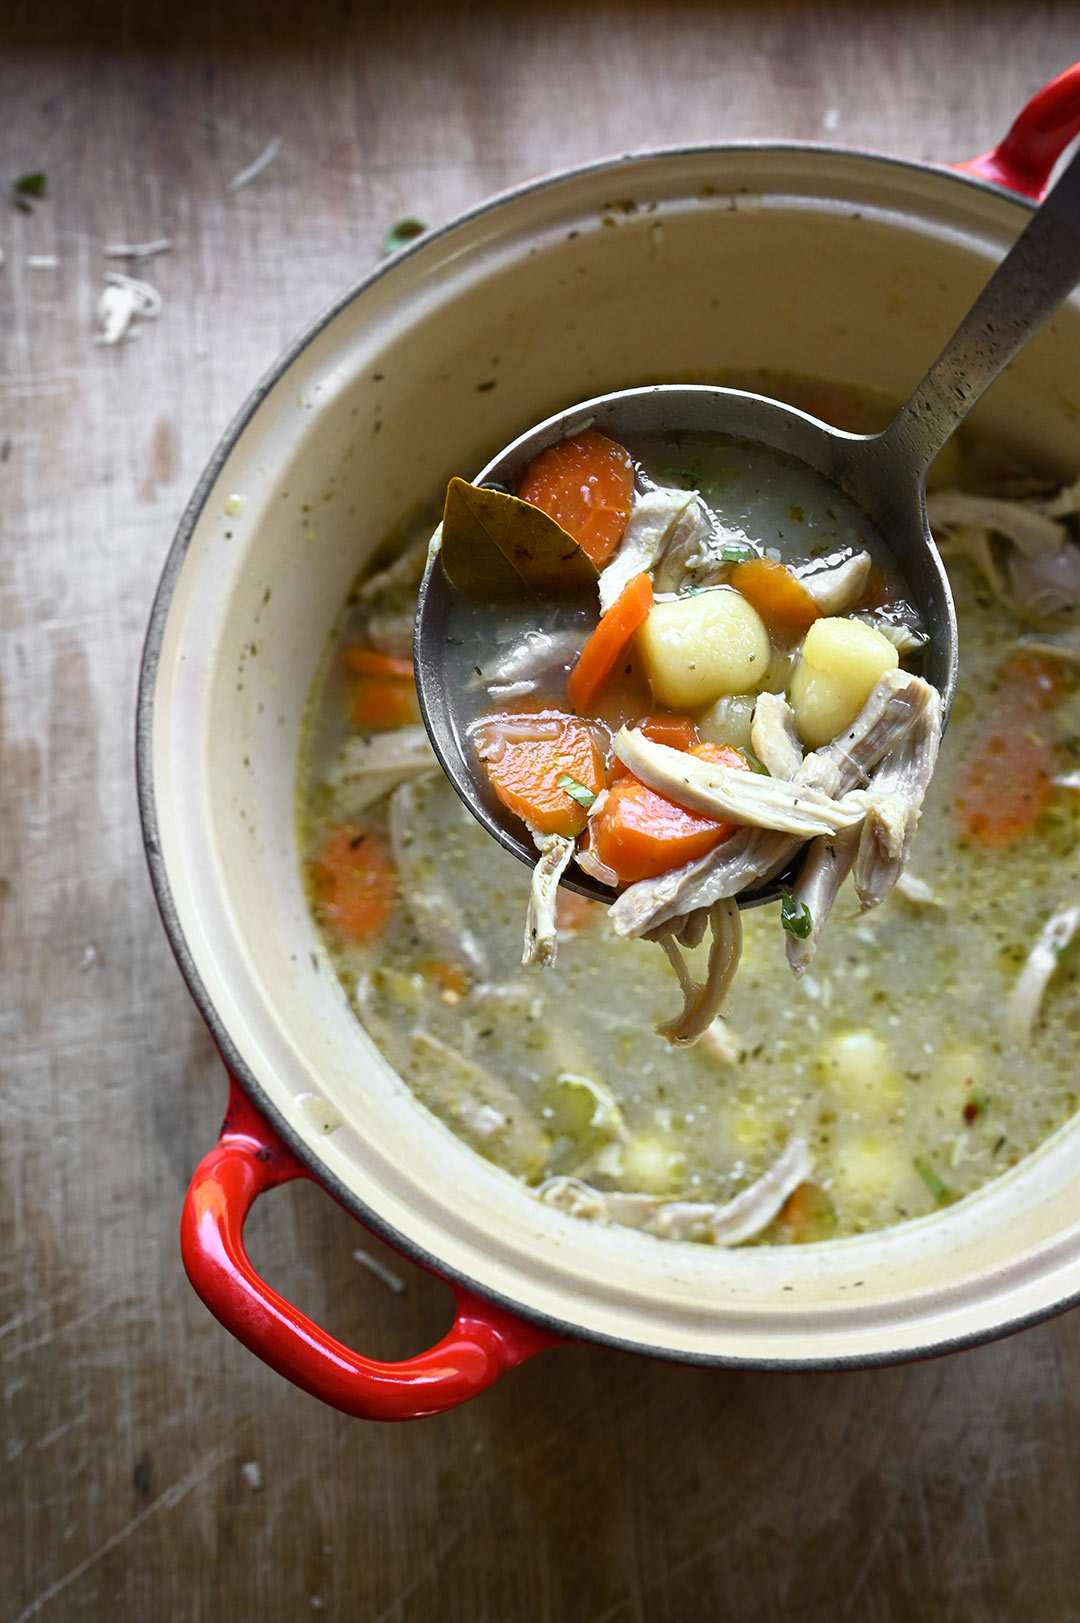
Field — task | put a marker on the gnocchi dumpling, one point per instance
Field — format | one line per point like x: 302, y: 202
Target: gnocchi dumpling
x: 728, y: 721
x: 840, y: 664
x: 653, y: 1162
x: 872, y: 1169
x: 701, y: 646
x: 859, y: 1071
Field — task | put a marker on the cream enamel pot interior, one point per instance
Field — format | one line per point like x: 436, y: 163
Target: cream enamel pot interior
x: 815, y: 260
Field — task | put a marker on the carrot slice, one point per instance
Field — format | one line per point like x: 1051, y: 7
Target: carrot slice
x: 575, y: 911
x: 677, y: 732
x: 639, y: 833
x: 525, y: 775
x: 379, y: 706
x: 597, y: 658
x: 808, y: 1213
x: 451, y: 977
x: 587, y: 485
x: 778, y: 595
x: 370, y: 662
x: 1005, y: 780
x: 354, y: 882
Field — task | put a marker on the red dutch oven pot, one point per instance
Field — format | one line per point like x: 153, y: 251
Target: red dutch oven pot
x: 829, y: 262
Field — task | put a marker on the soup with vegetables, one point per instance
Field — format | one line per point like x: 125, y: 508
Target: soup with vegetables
x: 707, y: 690
x: 929, y: 1045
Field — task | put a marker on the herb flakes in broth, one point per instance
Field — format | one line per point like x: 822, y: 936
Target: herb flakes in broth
x: 895, y: 1060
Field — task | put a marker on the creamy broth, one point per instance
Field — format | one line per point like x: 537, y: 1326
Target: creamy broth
x: 891, y: 1057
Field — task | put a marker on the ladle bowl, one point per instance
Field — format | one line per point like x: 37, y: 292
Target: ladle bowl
x: 898, y: 511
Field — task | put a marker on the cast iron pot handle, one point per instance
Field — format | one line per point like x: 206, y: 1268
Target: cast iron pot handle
x: 248, y: 1159
x: 1024, y: 159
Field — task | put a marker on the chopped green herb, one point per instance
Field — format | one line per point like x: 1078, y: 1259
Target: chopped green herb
x: 797, y: 920
x: 27, y: 187
x: 401, y: 233
x: 797, y: 514
x: 577, y: 791
x: 674, y: 471
x: 940, y: 1191
x: 733, y: 553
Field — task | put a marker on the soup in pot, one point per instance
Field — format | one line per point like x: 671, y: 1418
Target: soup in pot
x: 927, y: 1046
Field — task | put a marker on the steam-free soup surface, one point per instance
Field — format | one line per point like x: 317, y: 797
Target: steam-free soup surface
x: 896, y: 1057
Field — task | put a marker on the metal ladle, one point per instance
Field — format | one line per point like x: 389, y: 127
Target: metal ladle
x: 885, y: 474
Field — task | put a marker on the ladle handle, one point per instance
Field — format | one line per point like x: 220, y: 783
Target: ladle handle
x: 1037, y: 274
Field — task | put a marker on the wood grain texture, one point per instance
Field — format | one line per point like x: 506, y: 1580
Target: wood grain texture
x: 588, y: 1487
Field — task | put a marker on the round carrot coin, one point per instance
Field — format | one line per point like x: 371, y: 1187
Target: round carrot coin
x: 586, y: 484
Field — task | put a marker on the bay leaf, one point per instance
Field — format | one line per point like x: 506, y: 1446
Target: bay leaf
x: 497, y: 549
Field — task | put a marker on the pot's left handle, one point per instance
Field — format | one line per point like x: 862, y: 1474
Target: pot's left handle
x: 248, y: 1159
x: 1041, y: 131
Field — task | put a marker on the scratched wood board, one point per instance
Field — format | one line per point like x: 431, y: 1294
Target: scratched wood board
x: 149, y: 1466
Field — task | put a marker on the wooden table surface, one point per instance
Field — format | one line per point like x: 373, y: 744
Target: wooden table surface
x: 149, y: 1466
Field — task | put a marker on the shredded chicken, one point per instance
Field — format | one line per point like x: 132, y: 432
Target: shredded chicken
x: 740, y: 1219
x: 901, y: 780
x: 369, y: 767
x: 652, y: 522
x: 904, y: 638
x: 1025, y: 1000
x: 754, y: 855
x: 917, y: 891
x: 518, y: 671
x: 1046, y: 585
x: 692, y: 929
x: 1021, y: 546
x: 1067, y: 649
x: 1035, y: 535
x: 825, y: 867
x: 878, y: 849
x: 746, y: 798
x: 836, y: 584
x: 773, y: 737
x: 123, y: 300
x: 694, y: 554
x: 672, y: 534
x: 749, y: 857
x: 965, y: 540
x: 902, y: 707
x: 519, y: 996
x: 541, y: 918
x: 434, y: 914
x: 391, y: 633
x: 704, y: 1000
x: 403, y: 571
